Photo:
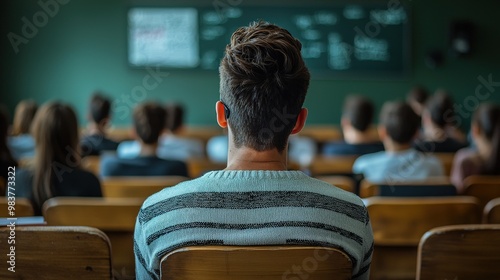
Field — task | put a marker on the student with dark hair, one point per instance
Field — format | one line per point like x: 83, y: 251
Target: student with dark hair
x: 149, y: 122
x: 399, y: 162
x: 56, y: 169
x: 357, y: 118
x: 255, y: 200
x: 21, y: 142
x: 173, y: 145
x: 96, y: 141
x: 416, y: 98
x: 436, y: 118
x: 485, y: 158
x: 6, y: 158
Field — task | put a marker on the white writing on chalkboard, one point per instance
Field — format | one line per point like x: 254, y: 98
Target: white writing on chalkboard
x: 370, y: 48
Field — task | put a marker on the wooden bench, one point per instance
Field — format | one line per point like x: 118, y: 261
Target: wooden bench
x: 399, y: 223
x: 491, y: 213
x: 460, y: 252
x: 437, y: 186
x: 114, y: 216
x: 255, y: 262
x: 22, y: 208
x: 46, y: 252
x: 485, y: 188
x: 137, y: 186
x: 344, y: 182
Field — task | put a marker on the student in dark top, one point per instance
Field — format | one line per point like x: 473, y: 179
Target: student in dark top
x: 357, y: 116
x: 6, y: 158
x: 56, y: 167
x: 96, y: 141
x: 149, y: 122
x: 436, y: 124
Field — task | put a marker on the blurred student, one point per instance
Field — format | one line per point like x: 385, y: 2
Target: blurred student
x: 399, y: 162
x: 21, y: 142
x: 149, y: 122
x: 217, y: 148
x: 356, y: 121
x: 417, y: 97
x: 436, y: 117
x: 484, y: 159
x: 171, y: 145
x: 95, y: 141
x: 56, y: 168
x: 255, y: 200
x: 6, y: 158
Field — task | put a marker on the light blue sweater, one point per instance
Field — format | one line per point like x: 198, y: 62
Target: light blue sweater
x: 252, y: 208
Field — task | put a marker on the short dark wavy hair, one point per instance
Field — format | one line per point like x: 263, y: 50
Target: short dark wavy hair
x: 149, y: 121
x: 263, y: 82
x: 400, y: 121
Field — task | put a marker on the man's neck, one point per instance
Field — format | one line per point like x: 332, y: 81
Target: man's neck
x: 393, y: 147
x: 94, y: 129
x: 148, y: 150
x: 249, y: 159
x: 434, y: 133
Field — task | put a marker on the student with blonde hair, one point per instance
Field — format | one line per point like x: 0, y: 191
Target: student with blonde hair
x: 21, y: 142
x: 56, y: 168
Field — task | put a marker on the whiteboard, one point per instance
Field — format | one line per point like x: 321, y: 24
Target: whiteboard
x: 165, y: 37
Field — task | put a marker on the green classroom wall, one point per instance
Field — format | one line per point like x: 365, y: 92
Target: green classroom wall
x: 82, y: 48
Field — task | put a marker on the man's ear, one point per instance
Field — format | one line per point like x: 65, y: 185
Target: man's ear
x: 301, y: 121
x: 221, y: 114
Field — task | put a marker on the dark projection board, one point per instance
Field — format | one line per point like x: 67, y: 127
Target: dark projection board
x: 347, y: 41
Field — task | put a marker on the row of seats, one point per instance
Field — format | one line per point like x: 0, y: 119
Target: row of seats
x: 63, y: 252
x: 398, y: 225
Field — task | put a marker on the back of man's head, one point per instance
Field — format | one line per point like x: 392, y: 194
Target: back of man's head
x: 263, y: 83
x: 418, y: 94
x: 440, y: 108
x: 175, y: 116
x: 400, y: 122
x: 358, y: 110
x: 149, y: 122
x: 100, y: 108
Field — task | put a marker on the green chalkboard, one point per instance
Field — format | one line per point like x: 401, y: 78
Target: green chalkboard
x: 339, y: 41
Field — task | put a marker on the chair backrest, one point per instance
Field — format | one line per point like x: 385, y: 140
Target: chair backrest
x: 2, y: 186
x: 491, y: 213
x: 446, y: 160
x: 331, y: 165
x: 255, y: 262
x: 438, y: 186
x: 403, y: 221
x: 399, y: 223
x: 344, y: 182
x: 137, y: 186
x: 46, y: 252
x: 460, y: 252
x: 485, y: 188
x: 22, y: 207
x: 114, y: 216
x: 92, y: 164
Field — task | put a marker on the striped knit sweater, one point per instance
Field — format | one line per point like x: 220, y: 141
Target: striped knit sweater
x: 252, y: 208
